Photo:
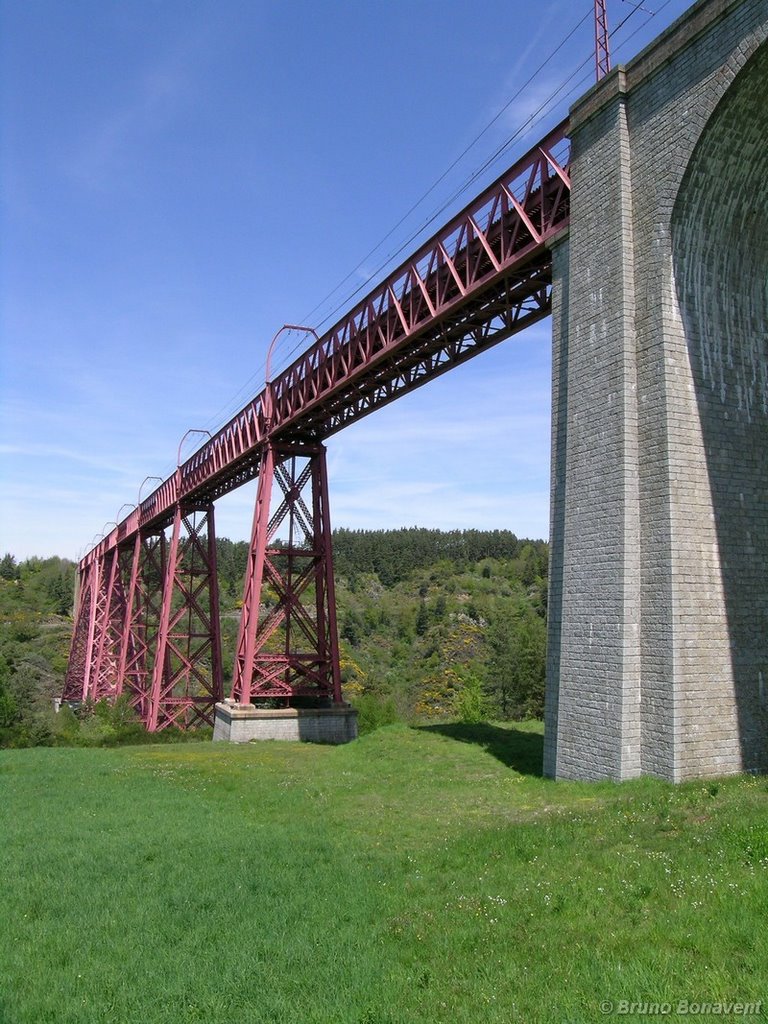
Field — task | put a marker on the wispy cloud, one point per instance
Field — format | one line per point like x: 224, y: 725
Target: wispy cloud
x: 158, y: 93
x: 448, y: 507
x: 46, y: 451
x: 472, y: 449
x: 147, y: 290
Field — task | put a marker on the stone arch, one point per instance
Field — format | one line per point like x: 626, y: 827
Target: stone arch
x: 720, y: 261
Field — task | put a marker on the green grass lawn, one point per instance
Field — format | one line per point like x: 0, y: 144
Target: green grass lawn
x: 417, y: 875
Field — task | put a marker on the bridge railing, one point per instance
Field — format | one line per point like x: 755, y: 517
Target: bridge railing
x: 517, y: 214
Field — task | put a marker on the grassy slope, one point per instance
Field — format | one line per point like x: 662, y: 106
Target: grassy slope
x: 414, y: 876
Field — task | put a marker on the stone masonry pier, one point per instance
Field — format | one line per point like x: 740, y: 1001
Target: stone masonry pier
x: 658, y: 630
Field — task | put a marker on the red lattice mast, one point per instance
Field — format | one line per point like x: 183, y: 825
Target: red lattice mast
x: 602, y: 51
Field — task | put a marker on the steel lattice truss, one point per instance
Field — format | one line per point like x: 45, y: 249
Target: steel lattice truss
x: 77, y: 682
x: 147, y: 625
x: 146, y: 576
x: 484, y: 276
x: 186, y: 671
x: 290, y: 648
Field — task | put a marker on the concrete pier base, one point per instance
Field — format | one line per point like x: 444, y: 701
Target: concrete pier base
x: 241, y: 723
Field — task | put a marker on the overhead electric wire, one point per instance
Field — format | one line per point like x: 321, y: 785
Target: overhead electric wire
x: 230, y: 406
x: 533, y: 119
x: 233, y: 405
x: 453, y: 164
x: 530, y: 122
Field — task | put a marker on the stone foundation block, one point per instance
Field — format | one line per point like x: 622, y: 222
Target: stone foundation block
x: 241, y: 723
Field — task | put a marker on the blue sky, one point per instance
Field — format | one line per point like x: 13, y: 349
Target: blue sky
x: 181, y: 178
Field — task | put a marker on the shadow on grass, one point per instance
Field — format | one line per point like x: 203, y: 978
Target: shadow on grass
x: 523, y: 751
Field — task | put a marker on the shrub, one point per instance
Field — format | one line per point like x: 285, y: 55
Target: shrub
x: 9, y: 709
x: 373, y: 712
x: 66, y: 724
x: 470, y: 704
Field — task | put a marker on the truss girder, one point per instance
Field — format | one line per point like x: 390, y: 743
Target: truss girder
x: 485, y: 275
x: 288, y: 646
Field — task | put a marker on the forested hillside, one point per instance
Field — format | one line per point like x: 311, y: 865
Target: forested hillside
x: 431, y: 623
x: 35, y: 630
